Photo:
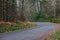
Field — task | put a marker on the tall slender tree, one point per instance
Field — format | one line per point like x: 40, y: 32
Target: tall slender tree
x: 8, y: 10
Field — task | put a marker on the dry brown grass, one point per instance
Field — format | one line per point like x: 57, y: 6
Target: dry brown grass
x: 7, y: 24
x: 25, y: 23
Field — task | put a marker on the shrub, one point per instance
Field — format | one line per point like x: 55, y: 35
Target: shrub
x: 56, y: 20
x: 42, y: 17
x: 4, y: 27
x: 35, y: 17
x: 16, y: 27
x: 7, y: 27
x: 2, y: 30
x: 55, y: 36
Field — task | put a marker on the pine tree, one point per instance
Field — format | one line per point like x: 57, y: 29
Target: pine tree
x: 8, y: 10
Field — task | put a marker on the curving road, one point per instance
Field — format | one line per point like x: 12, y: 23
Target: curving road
x: 31, y: 34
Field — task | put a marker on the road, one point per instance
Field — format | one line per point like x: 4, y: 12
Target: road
x: 30, y: 34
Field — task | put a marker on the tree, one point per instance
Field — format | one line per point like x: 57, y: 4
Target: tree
x: 1, y: 10
x: 8, y: 10
x: 57, y: 8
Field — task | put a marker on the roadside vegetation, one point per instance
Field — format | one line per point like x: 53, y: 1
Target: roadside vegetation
x: 56, y: 20
x: 43, y: 18
x: 54, y: 36
x: 9, y: 27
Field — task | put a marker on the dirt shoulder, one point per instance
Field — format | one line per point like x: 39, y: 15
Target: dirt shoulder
x: 45, y: 36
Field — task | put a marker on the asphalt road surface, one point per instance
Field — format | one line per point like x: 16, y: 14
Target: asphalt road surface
x: 30, y: 34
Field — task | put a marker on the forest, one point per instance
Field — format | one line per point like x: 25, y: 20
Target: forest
x: 17, y: 12
x: 29, y: 10
x: 18, y: 15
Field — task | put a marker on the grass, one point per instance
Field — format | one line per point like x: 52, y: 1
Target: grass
x: 8, y: 27
x: 56, y: 20
x: 55, y: 36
